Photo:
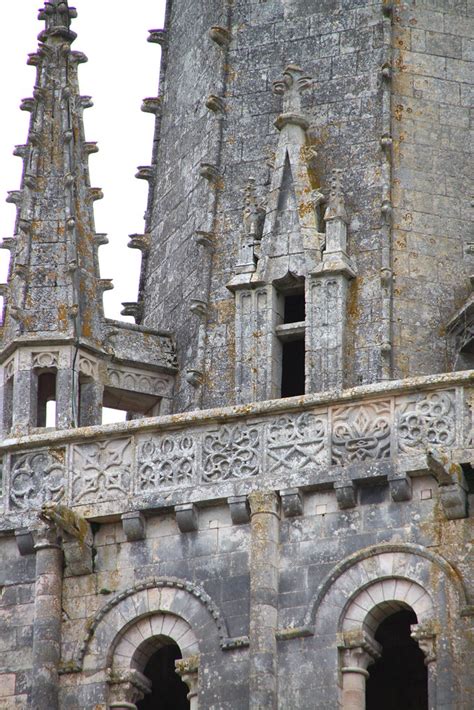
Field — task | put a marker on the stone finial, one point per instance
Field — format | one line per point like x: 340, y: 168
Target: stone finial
x: 57, y: 14
x: 290, y: 85
x: 336, y: 208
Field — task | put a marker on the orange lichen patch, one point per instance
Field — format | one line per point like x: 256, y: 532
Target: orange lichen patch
x: 58, y: 455
x: 398, y: 112
x: 353, y: 301
x: 62, y: 316
x: 305, y: 208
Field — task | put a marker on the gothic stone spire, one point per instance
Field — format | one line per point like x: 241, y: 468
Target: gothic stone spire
x: 54, y: 288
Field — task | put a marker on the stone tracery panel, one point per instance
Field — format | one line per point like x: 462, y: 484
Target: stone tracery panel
x: 102, y: 470
x: 231, y: 452
x: 297, y: 442
x: 361, y: 433
x: 426, y: 420
x: 37, y: 478
x: 166, y: 461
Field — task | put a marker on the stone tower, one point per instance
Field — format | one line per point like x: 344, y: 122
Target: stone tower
x: 285, y: 518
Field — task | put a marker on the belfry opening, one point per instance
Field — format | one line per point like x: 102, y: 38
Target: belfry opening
x: 398, y: 679
x: 168, y: 691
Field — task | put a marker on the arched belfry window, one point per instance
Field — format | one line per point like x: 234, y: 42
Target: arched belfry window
x: 398, y: 679
x: 154, y: 665
x: 387, y: 648
x: 168, y: 690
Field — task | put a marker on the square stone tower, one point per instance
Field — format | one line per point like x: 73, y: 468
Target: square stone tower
x: 285, y: 520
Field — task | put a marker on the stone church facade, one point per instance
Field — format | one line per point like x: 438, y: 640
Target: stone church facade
x: 284, y: 521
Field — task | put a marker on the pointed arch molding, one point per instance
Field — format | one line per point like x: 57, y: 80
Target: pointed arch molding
x: 184, y: 599
x: 387, y: 561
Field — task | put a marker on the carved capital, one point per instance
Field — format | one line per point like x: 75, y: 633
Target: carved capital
x: 187, y: 669
x: 425, y: 637
x: 358, y: 651
x: 263, y: 502
x: 126, y: 688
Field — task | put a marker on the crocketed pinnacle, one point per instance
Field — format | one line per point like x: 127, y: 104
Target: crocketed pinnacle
x: 54, y: 289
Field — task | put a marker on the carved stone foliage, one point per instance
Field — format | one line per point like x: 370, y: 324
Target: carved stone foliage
x: 167, y: 461
x: 101, y: 471
x: 45, y: 359
x: 36, y: 478
x: 361, y: 433
x: 297, y: 443
x: 231, y: 452
x: 427, y: 420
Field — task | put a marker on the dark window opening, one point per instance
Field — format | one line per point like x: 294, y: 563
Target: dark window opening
x: 168, y: 692
x: 46, y: 413
x: 292, y: 370
x: 121, y: 405
x: 398, y: 680
x: 294, y: 308
x: 8, y: 404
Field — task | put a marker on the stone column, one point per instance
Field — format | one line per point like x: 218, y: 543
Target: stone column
x: 66, y: 398
x: 425, y: 637
x: 47, y: 619
x: 358, y: 652
x: 264, y: 539
x: 90, y: 403
x: 187, y: 669
x: 25, y: 402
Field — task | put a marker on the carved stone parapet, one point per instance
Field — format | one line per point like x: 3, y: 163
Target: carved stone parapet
x: 187, y: 517
x: 291, y: 502
x: 134, y: 526
x: 220, y: 35
x: 239, y: 509
x: 346, y: 494
x: 126, y: 688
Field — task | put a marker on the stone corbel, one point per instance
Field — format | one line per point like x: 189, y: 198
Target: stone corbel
x: 186, y: 517
x: 400, y: 486
x: 452, y: 485
x: 291, y: 502
x: 239, y: 509
x: 346, y: 494
x: 187, y: 669
x: 134, y: 526
x: 126, y: 688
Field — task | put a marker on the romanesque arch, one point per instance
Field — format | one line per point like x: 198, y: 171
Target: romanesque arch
x: 132, y: 626
x: 368, y: 587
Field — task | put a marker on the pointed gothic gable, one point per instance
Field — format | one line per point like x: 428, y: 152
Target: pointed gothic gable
x: 291, y: 241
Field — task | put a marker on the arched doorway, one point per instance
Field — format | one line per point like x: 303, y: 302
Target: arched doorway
x: 398, y: 680
x: 168, y: 691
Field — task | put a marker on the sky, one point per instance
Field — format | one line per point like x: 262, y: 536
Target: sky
x: 123, y: 68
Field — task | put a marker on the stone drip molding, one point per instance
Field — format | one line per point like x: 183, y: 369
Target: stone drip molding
x: 226, y: 643
x: 308, y: 626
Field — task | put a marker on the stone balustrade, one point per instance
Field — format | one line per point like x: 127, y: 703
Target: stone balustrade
x: 335, y: 441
